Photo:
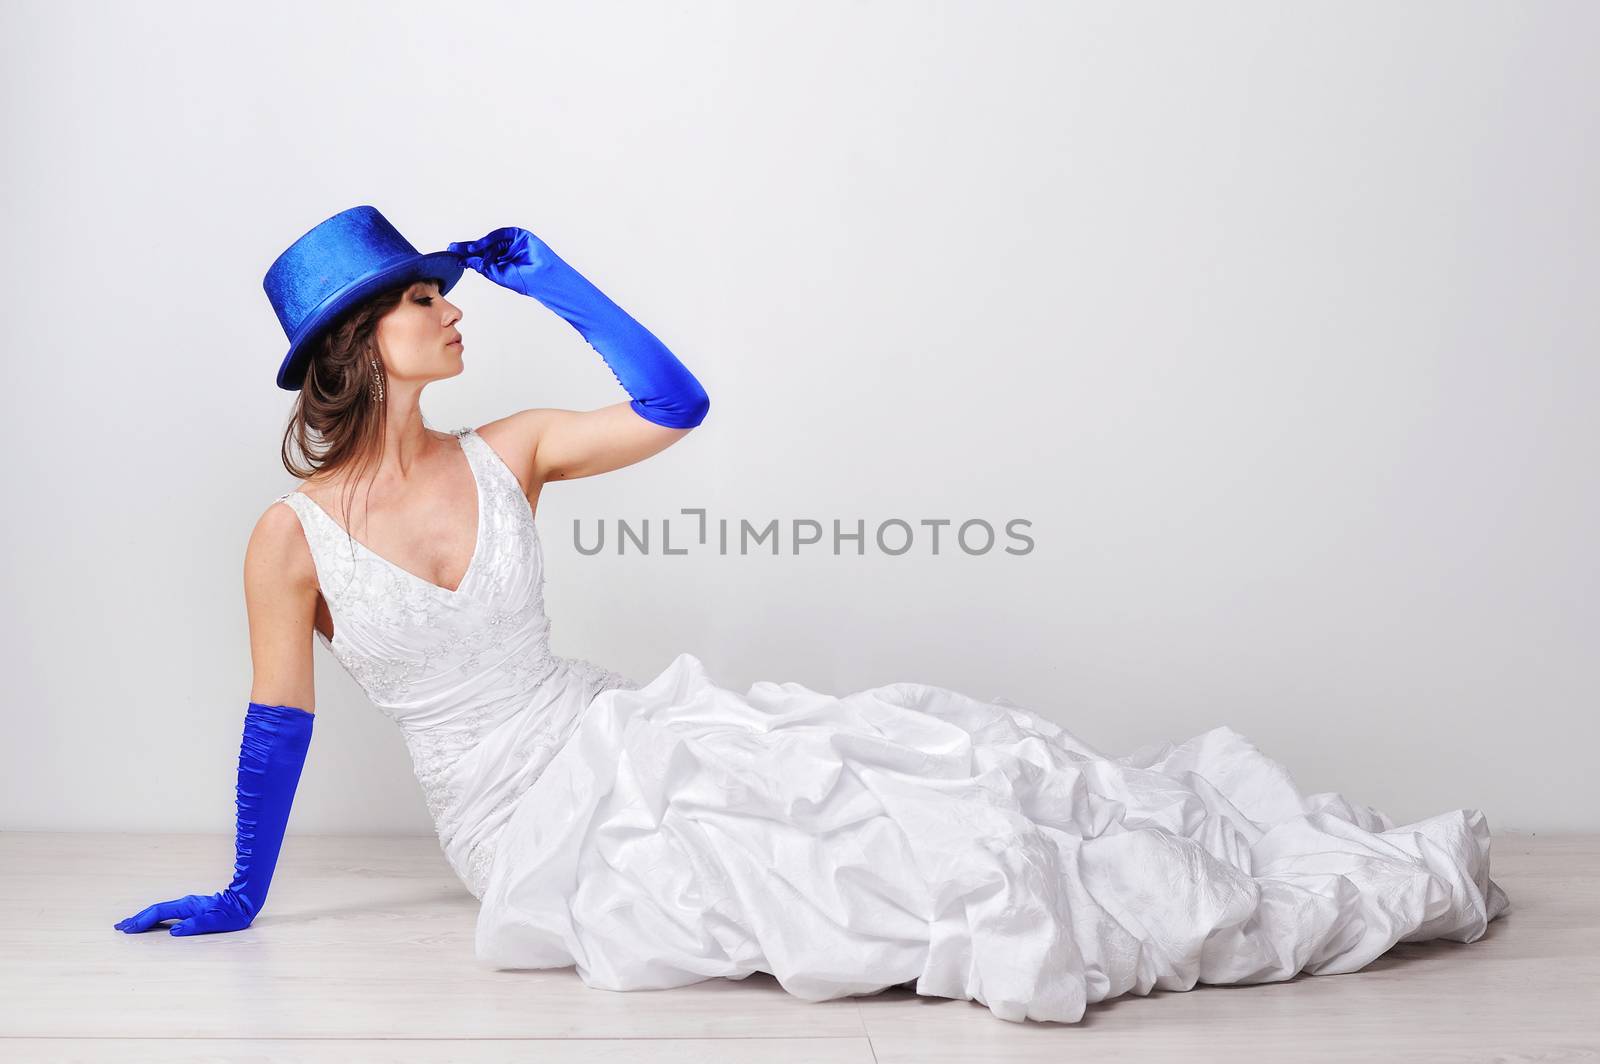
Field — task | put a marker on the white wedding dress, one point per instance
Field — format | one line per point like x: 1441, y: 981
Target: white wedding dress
x: 663, y: 833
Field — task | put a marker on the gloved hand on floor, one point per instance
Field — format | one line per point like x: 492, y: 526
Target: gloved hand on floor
x: 271, y: 755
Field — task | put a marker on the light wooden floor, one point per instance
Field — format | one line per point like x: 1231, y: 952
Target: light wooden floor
x: 365, y: 953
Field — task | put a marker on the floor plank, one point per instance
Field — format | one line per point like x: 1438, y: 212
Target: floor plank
x: 437, y: 1051
x: 365, y: 952
x: 361, y: 937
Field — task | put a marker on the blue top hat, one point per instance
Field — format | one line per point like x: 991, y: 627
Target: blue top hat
x: 347, y: 258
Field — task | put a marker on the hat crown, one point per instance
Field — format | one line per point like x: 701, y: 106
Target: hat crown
x: 345, y: 248
x: 336, y: 264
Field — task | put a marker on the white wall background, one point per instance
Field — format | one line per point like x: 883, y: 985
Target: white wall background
x: 1278, y: 321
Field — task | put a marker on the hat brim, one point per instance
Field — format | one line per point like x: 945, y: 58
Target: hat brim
x: 447, y: 266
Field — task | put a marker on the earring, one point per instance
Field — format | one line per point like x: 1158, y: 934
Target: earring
x: 376, y: 390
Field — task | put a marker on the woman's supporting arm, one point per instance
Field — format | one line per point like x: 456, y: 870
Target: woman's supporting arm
x: 281, y: 596
x: 271, y: 755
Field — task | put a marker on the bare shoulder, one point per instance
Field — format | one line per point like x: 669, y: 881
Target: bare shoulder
x: 277, y: 554
x: 515, y: 438
x: 280, y: 590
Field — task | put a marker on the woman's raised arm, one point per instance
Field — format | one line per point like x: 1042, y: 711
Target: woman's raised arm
x: 666, y: 399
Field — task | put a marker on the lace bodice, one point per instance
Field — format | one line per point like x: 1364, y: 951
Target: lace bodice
x: 468, y: 675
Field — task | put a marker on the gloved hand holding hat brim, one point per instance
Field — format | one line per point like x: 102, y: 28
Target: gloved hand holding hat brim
x: 508, y: 256
x: 663, y: 389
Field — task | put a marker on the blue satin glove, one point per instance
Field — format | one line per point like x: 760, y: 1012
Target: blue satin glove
x: 663, y: 390
x: 271, y: 755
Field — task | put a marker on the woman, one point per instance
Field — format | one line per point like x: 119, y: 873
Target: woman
x: 659, y: 834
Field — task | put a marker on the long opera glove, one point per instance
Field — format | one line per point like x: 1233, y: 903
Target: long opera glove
x: 271, y: 755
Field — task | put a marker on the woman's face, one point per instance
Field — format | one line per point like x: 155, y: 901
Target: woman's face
x: 418, y: 339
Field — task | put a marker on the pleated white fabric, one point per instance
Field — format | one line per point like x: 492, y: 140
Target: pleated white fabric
x: 909, y: 832
x: 659, y: 834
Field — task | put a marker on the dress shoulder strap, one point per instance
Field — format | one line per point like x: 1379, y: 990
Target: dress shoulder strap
x: 297, y: 502
x: 320, y: 533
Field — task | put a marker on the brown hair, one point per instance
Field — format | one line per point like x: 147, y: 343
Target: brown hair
x: 338, y: 419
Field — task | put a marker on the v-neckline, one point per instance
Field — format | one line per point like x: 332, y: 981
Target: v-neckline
x: 477, y: 542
